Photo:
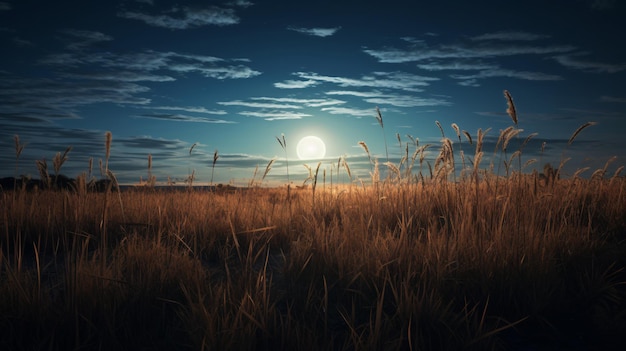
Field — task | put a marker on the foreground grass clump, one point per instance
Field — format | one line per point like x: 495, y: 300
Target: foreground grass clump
x: 490, y: 264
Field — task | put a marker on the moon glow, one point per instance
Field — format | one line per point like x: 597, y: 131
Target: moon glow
x: 311, y: 147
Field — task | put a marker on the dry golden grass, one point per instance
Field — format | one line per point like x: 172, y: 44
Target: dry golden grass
x: 405, y: 266
x: 412, y: 262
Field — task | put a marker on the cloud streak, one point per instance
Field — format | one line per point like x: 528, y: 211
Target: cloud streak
x: 499, y: 72
x: 150, y: 61
x: 570, y: 61
x: 424, y: 52
x: 121, y: 76
x: 304, y: 102
x: 391, y: 80
x: 397, y: 100
x: 456, y: 66
x: 317, y: 32
x: 192, y: 109
x: 406, y: 101
x: 185, y: 17
x: 182, y: 118
x: 478, y: 53
x: 273, y: 108
x: 354, y: 112
x: 510, y: 36
x: 80, y: 39
x: 52, y: 99
x: 258, y: 104
x: 621, y: 100
x: 296, y: 84
x: 275, y: 115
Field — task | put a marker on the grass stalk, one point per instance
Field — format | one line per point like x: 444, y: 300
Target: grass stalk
x: 379, y: 118
x: 215, y: 157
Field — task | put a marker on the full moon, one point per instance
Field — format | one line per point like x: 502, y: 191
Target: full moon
x: 311, y: 147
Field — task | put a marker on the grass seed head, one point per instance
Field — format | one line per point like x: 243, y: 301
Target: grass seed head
x: 18, y: 147
x: 510, y: 106
x: 468, y: 136
x: 108, y: 138
x: 457, y: 130
x: 379, y: 117
x: 267, y: 169
x: 107, y: 143
x: 440, y: 129
x: 580, y: 129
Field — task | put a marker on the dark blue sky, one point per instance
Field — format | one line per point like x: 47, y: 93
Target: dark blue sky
x: 233, y: 75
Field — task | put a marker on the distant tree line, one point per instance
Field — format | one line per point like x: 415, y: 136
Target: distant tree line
x: 58, y: 182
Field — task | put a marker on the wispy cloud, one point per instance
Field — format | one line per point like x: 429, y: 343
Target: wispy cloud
x: 317, y: 32
x: 389, y: 80
x: 243, y: 159
x: 398, y: 100
x: 26, y: 118
x: 258, y: 104
x: 456, y: 66
x: 149, y: 60
x: 621, y: 100
x: 469, y: 83
x: 240, y: 3
x: 525, y: 75
x: 413, y: 40
x: 421, y: 51
x: 150, y: 143
x: 83, y: 77
x: 296, y: 84
x: 181, y: 118
x: 80, y: 39
x: 53, y: 99
x: 185, y: 17
x: 365, y: 94
x: 570, y: 61
x: 510, y: 36
x: 406, y: 101
x: 273, y: 108
x: 305, y: 102
x: 475, y: 55
x: 225, y: 72
x: 354, y: 112
x: 192, y: 109
x: 22, y: 42
x: 275, y: 115
x: 4, y: 6
x: 121, y: 76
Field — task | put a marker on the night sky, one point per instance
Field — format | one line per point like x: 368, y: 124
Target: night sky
x: 233, y: 75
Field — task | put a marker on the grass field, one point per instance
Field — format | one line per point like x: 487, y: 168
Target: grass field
x: 439, y: 260
x: 435, y: 266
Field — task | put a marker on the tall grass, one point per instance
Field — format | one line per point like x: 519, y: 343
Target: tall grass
x: 422, y: 268
x: 485, y: 263
x: 215, y: 157
x: 108, y: 138
x: 379, y: 118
